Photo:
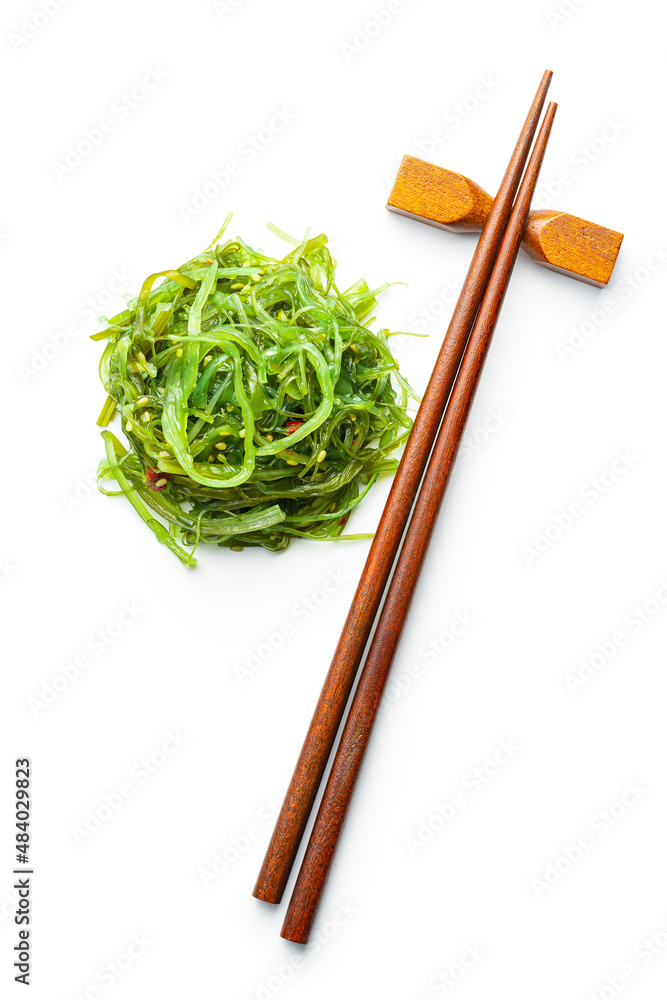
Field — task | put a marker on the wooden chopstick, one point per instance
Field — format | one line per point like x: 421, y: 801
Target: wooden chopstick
x: 335, y: 693
x: 350, y: 753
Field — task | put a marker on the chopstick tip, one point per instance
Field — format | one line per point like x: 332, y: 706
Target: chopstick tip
x: 545, y: 83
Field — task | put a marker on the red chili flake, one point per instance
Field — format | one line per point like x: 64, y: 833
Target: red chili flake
x: 343, y: 520
x: 157, y: 480
x: 293, y: 425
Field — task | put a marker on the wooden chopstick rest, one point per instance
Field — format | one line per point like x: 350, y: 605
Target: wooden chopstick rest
x: 556, y: 240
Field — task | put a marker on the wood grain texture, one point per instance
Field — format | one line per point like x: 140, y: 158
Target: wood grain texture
x: 559, y: 241
x: 338, y: 683
x: 356, y: 734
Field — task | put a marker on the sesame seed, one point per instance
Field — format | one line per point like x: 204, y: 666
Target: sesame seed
x: 222, y: 458
x: 291, y: 462
x: 237, y: 285
x: 179, y: 352
x: 353, y: 416
x: 142, y: 402
x: 242, y: 432
x: 332, y: 508
x: 221, y: 446
x: 146, y: 415
x: 211, y: 458
x: 236, y: 548
x: 269, y: 437
x: 224, y: 433
x: 322, y: 455
x: 161, y: 482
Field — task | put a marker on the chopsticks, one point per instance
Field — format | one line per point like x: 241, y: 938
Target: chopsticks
x: 354, y: 741
x: 321, y: 735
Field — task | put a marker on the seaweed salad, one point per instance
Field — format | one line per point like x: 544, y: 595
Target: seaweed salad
x: 257, y: 404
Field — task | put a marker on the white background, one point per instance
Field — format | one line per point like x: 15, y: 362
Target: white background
x: 394, y: 920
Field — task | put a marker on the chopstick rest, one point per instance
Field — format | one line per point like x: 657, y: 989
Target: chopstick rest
x: 561, y: 242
